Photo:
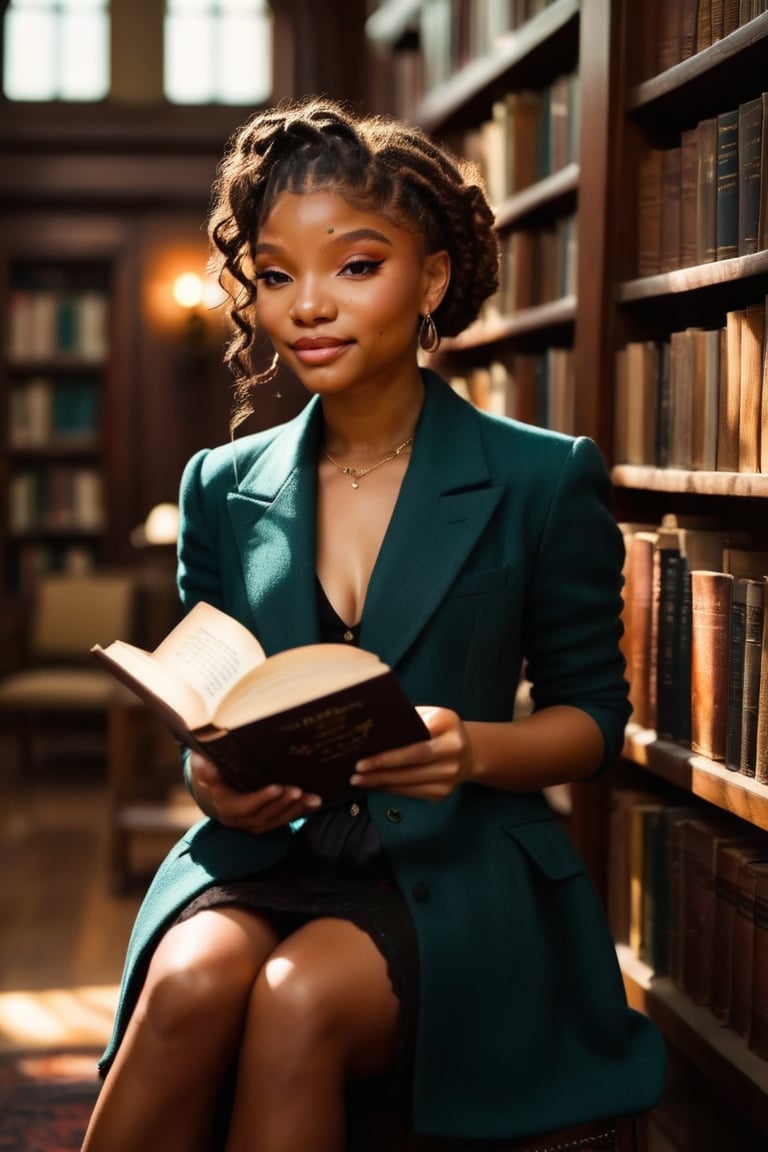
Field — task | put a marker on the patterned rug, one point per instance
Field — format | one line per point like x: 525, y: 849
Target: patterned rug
x: 45, y: 1100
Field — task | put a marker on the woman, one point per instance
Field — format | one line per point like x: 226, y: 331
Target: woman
x: 441, y: 939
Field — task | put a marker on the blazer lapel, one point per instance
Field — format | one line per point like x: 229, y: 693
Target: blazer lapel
x: 273, y: 517
x: 445, y: 503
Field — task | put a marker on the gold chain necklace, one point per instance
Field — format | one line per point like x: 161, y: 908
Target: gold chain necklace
x: 358, y: 473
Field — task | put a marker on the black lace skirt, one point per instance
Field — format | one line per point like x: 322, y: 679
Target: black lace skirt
x: 337, y: 869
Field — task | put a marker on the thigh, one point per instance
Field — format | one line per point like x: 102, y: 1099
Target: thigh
x: 332, y: 970
x: 212, y: 958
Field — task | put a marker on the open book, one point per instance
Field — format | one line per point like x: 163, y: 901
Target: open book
x: 302, y: 717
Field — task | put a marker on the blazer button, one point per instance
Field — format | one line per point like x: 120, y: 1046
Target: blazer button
x: 421, y: 892
x: 394, y: 815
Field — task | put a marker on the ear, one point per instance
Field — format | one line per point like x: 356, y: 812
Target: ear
x: 437, y: 275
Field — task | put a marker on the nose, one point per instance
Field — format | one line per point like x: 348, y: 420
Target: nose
x: 312, y: 302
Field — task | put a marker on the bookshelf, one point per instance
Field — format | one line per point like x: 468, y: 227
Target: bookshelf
x: 501, y: 83
x: 647, y: 76
x: 666, y: 283
x: 55, y: 368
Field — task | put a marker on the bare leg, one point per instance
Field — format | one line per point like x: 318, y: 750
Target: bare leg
x: 160, y: 1095
x: 321, y: 1009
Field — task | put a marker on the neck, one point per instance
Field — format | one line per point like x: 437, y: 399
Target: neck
x: 364, y: 427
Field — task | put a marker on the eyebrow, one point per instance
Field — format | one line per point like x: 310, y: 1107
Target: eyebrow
x: 264, y: 247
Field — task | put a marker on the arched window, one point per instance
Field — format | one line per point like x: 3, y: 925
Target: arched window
x: 218, y: 51
x: 56, y: 50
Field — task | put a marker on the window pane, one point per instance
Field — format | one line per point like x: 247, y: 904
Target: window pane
x: 30, y: 59
x: 228, y: 62
x: 56, y: 49
x: 84, y: 56
x: 188, y: 59
x: 245, y: 74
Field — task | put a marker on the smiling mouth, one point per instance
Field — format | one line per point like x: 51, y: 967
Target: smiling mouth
x: 321, y: 350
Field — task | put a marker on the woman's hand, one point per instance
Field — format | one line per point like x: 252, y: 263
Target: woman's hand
x: 432, y: 769
x: 261, y: 811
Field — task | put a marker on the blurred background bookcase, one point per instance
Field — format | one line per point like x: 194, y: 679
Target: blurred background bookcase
x: 642, y: 85
x: 57, y: 394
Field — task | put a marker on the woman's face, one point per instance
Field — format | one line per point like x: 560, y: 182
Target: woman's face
x: 340, y: 292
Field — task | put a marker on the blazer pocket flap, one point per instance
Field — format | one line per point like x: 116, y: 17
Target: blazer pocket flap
x: 548, y: 847
x: 481, y: 583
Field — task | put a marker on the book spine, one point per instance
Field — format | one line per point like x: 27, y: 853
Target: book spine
x: 727, y: 185
x: 750, y: 690
x: 761, y: 738
x: 758, y: 1030
x: 710, y: 646
x: 750, y: 388
x: 735, y: 676
x: 750, y: 131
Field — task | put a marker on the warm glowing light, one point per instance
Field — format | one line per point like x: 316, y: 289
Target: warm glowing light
x: 160, y: 527
x: 188, y: 290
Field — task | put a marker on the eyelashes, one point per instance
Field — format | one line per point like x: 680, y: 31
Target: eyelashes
x: 358, y: 267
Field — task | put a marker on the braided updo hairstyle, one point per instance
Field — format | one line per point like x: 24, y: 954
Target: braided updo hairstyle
x: 376, y: 164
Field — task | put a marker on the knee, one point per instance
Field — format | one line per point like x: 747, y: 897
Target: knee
x: 187, y: 994
x: 296, y: 1003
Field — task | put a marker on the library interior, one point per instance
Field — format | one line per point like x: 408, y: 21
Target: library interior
x: 624, y: 148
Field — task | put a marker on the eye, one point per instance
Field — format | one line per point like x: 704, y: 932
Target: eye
x: 360, y: 266
x: 273, y: 277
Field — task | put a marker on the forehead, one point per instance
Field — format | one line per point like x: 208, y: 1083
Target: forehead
x: 326, y: 215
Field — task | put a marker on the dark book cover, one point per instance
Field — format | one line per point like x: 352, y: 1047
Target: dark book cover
x: 736, y: 675
x: 670, y: 222
x: 750, y: 687
x: 758, y: 1025
x: 729, y: 858
x: 316, y: 745
x: 750, y: 153
x: 706, y: 191
x: 728, y: 184
x: 668, y: 569
x: 689, y: 168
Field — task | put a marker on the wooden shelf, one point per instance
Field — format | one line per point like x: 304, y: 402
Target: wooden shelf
x: 719, y: 1053
x: 528, y: 322
x: 707, y: 81
x: 699, y: 278
x: 542, y: 47
x: 681, y: 481
x: 734, y: 793
x: 549, y: 196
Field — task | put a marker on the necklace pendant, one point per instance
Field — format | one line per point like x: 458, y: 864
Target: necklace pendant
x: 355, y: 484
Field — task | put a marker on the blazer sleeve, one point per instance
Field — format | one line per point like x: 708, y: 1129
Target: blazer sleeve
x: 574, y: 627
x: 199, y: 567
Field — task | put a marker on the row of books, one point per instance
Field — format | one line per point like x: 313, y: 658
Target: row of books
x: 49, y: 324
x: 537, y: 266
x: 57, y: 498
x: 31, y: 560
x: 537, y: 388
x: 44, y: 410
x: 688, y: 891
x: 706, y: 199
x: 530, y: 135
x: 454, y: 32
x: 698, y: 400
x: 678, y: 29
x: 696, y: 641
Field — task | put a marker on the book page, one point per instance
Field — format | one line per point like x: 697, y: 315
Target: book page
x: 209, y: 651
x: 293, y: 677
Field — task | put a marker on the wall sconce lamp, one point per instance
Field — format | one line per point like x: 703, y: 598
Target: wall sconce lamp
x: 189, y: 292
x: 161, y: 527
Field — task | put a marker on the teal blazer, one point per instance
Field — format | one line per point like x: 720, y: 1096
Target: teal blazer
x: 501, y: 553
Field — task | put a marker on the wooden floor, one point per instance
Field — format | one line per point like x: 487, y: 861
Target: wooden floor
x: 63, y: 930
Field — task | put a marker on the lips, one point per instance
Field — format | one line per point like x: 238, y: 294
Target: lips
x: 319, y: 350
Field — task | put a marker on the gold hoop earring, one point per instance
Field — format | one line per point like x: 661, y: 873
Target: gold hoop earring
x: 429, y: 337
